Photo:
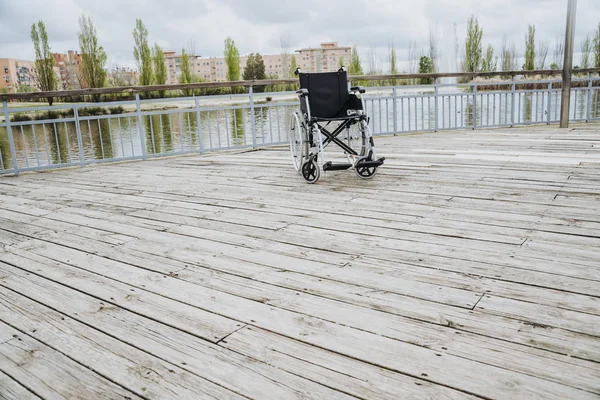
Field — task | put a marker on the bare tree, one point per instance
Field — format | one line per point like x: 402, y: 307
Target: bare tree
x: 541, y: 55
x: 372, y: 61
x: 116, y: 78
x: 586, y: 50
x: 74, y: 78
x: 433, y: 47
x: 192, y: 47
x: 393, y: 67
x: 191, y: 60
x: 508, y: 58
x: 121, y: 76
x: 413, y: 58
x: 456, y: 45
x: 558, y: 54
x: 284, y: 42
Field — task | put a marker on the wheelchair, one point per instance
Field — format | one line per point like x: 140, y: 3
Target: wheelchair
x: 330, y: 113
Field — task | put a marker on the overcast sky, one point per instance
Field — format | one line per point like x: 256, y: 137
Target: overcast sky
x: 258, y: 25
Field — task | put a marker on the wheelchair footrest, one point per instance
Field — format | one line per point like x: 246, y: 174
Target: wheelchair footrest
x: 329, y: 166
x: 375, y: 163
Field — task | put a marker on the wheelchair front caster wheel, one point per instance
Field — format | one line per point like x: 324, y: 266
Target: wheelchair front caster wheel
x: 365, y: 172
x: 310, y: 171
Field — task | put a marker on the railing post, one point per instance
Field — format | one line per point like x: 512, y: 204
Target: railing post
x: 474, y: 106
x: 589, y: 98
x: 11, y: 142
x: 513, y: 89
x: 435, y: 98
x: 79, y: 138
x: 141, y: 125
x: 395, y: 110
x: 199, y: 125
x: 252, y: 117
x: 549, y: 118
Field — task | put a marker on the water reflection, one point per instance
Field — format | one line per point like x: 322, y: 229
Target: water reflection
x: 237, y: 127
x: 527, y: 110
x: 100, y: 132
x: 154, y: 137
x: 263, y: 128
x: 5, y: 159
x: 469, y: 115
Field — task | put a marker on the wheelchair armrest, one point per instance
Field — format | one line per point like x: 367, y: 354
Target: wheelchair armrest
x: 302, y: 92
x: 359, y: 88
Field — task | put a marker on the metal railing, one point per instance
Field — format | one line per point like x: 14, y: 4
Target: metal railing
x: 138, y: 130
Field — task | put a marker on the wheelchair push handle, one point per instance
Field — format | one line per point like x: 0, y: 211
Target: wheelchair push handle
x: 360, y: 89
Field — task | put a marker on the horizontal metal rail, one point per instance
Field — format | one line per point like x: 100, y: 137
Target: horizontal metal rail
x: 32, y: 139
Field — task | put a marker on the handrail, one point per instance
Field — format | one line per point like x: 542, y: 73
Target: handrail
x: 265, y: 82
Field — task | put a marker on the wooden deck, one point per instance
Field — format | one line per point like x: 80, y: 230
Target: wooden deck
x: 469, y: 267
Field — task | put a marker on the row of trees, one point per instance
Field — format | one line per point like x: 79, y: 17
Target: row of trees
x: 93, y: 65
x: 536, y: 52
x: 151, y: 66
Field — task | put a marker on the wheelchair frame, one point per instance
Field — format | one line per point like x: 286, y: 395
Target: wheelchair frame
x: 309, y: 138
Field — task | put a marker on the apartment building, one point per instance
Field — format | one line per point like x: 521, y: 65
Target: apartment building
x: 15, y: 73
x: 69, y: 70
x: 325, y: 58
x: 214, y: 69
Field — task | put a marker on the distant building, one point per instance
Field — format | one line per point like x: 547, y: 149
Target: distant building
x: 214, y: 69
x: 325, y: 58
x: 15, y: 74
x: 69, y: 68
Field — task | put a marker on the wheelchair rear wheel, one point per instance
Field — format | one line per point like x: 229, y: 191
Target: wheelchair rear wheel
x: 298, y: 141
x: 354, y: 138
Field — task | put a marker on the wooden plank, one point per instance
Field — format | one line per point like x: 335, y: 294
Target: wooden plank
x: 331, y: 369
x: 542, y: 315
x: 50, y: 374
x: 205, y: 251
x: 153, y: 339
x: 586, y: 270
x: 143, y: 374
x: 210, y: 326
x: 13, y: 390
x: 226, y: 276
x: 303, y: 328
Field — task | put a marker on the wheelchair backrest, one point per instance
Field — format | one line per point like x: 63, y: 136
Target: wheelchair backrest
x: 327, y: 92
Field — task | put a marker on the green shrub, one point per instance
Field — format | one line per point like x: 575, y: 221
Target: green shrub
x: 19, y: 117
x: 48, y: 115
x: 91, y: 111
x: 116, y: 110
x: 67, y: 113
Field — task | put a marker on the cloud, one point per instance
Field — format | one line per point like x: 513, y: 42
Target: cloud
x: 259, y: 25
